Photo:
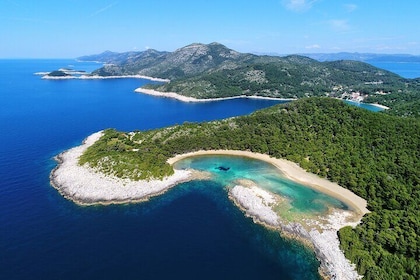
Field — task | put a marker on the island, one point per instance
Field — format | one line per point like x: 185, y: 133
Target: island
x: 199, y: 72
x: 364, y: 152
x: 212, y: 72
x: 62, y: 74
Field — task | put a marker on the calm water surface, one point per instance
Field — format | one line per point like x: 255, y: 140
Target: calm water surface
x: 303, y: 200
x: 193, y: 231
x: 408, y: 70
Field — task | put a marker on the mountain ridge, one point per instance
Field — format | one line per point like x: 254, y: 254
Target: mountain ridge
x: 212, y: 70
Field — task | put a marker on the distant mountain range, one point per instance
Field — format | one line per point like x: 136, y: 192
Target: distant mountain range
x: 364, y: 57
x: 213, y: 71
x: 197, y: 58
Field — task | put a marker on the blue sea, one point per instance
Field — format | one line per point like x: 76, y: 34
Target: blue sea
x: 191, y: 232
x: 409, y: 70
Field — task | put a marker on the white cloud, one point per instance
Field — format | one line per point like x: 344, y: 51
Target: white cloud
x: 103, y: 9
x: 389, y: 49
x: 340, y: 25
x: 299, y: 5
x: 314, y: 46
x: 350, y: 7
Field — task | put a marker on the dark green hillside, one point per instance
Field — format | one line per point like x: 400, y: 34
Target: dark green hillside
x: 288, y: 77
x: 404, y: 103
x: 215, y: 71
x: 184, y: 62
x: 375, y: 155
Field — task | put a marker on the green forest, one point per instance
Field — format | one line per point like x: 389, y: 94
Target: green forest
x: 289, y: 77
x: 375, y: 155
x: 296, y: 77
x: 215, y: 71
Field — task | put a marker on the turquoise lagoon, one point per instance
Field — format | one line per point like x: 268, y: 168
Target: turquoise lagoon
x: 227, y: 171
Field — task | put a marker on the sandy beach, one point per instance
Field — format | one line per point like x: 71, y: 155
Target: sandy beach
x: 319, y: 233
x: 192, y: 99
x: 295, y: 173
x: 373, y: 104
x: 379, y: 106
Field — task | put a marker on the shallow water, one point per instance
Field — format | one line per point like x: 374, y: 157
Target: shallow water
x: 302, y: 199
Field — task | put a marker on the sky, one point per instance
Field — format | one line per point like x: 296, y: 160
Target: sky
x: 72, y: 28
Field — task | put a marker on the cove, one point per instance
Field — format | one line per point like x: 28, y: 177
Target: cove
x: 228, y: 170
x: 296, y: 211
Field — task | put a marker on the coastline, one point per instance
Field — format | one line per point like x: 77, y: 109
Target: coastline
x: 258, y: 204
x: 379, y: 106
x: 318, y: 233
x: 84, y: 186
x: 373, y: 104
x: 46, y: 77
x: 96, y: 77
x: 180, y: 97
x: 294, y: 172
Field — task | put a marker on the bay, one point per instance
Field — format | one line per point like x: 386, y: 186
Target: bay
x: 303, y: 199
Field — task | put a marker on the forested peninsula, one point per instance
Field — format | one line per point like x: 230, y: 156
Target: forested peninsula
x: 375, y: 155
x: 211, y: 71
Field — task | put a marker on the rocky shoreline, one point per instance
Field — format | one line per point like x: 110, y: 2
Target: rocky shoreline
x: 183, y: 98
x: 258, y: 204
x: 84, y: 186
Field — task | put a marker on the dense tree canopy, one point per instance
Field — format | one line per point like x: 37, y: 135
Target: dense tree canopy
x: 375, y: 155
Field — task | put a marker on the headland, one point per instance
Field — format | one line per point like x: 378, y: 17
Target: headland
x: 85, y: 186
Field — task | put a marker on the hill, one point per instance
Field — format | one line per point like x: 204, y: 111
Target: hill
x: 288, y: 77
x: 214, y: 71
